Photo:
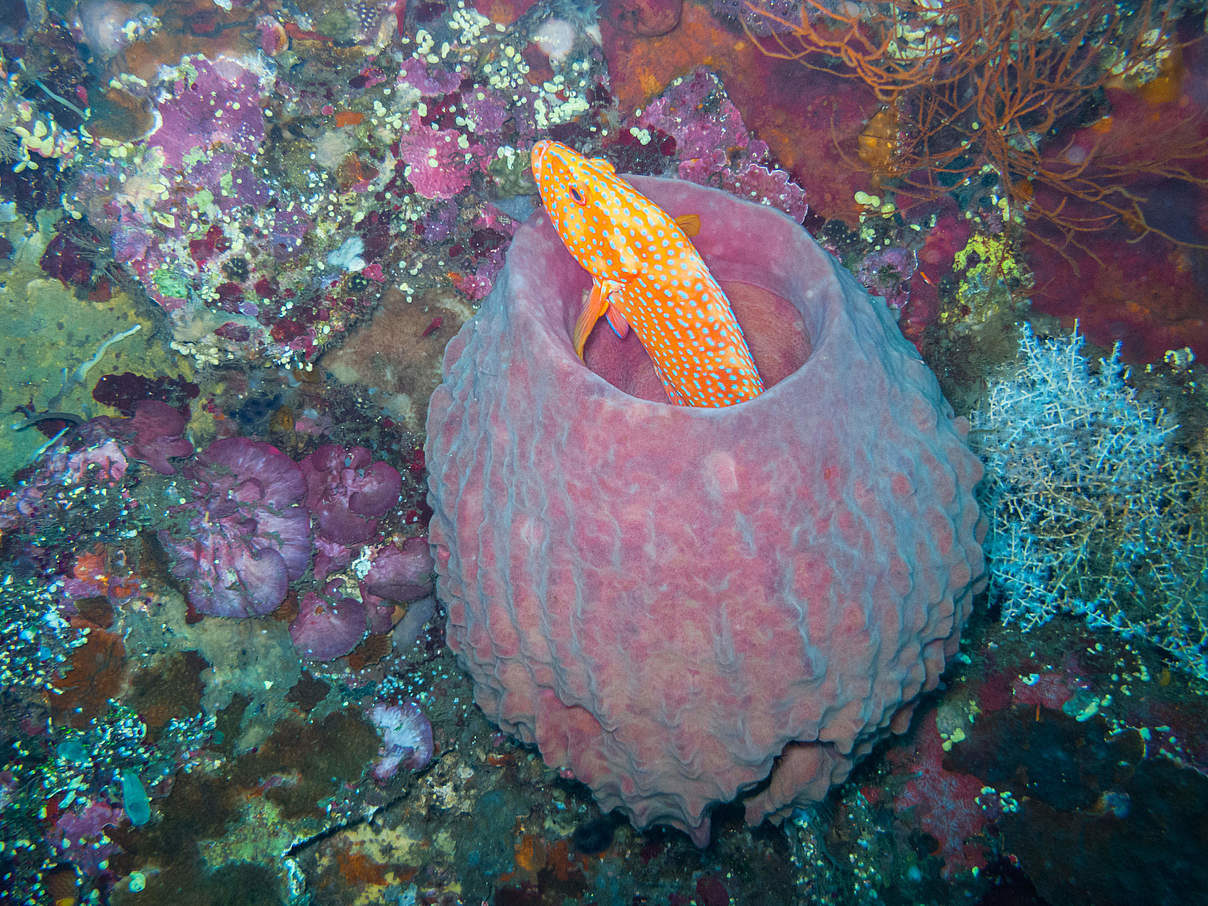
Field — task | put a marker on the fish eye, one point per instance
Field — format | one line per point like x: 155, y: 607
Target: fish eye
x: 576, y: 195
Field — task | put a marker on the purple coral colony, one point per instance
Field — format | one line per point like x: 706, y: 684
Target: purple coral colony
x: 244, y: 243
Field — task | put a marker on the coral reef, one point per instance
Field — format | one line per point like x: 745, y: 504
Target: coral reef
x: 314, y: 198
x: 639, y: 591
x: 406, y: 738
x: 988, y: 86
x: 347, y: 492
x: 244, y: 533
x: 712, y: 145
x: 60, y: 336
x: 1093, y: 509
x: 268, y: 217
x: 112, y: 683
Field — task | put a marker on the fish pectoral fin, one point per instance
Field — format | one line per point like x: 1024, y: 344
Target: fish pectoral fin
x: 617, y: 321
x: 597, y: 302
x: 689, y: 223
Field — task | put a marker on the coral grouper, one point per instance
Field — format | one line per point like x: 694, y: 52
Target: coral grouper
x: 685, y: 605
x: 646, y: 273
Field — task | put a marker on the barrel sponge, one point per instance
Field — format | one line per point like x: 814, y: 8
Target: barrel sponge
x: 684, y: 606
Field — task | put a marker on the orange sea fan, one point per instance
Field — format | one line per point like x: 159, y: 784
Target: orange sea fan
x: 1000, y: 85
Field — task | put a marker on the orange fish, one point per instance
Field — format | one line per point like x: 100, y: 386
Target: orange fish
x: 646, y: 273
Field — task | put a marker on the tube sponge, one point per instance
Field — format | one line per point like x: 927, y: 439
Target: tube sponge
x: 684, y: 606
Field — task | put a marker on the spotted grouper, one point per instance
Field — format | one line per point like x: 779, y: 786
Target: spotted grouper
x: 646, y: 273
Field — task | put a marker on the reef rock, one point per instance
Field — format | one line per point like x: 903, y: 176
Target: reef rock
x: 682, y: 606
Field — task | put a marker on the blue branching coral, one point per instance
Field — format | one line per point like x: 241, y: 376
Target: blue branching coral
x: 1093, y: 509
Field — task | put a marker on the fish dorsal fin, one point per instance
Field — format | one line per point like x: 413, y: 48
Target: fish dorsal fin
x: 604, y: 165
x: 689, y: 223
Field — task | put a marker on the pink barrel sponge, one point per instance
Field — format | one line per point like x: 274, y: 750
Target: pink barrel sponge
x: 684, y: 606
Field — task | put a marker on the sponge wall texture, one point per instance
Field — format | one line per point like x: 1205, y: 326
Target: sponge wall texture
x: 683, y: 606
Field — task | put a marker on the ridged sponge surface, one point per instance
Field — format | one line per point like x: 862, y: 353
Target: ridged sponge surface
x: 684, y: 606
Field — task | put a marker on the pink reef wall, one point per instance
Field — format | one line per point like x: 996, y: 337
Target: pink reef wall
x: 679, y: 604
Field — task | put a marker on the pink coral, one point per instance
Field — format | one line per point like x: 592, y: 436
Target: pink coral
x: 244, y: 534
x: 406, y: 738
x: 947, y: 803
x: 682, y: 606
x: 154, y: 434
x: 80, y: 836
x: 430, y: 81
x: 438, y: 167
x: 397, y: 574
x: 400, y: 572
x: 214, y: 103
x: 415, y: 74
x: 329, y: 625
x: 714, y: 146
x: 887, y: 272
x: 90, y: 457
x: 347, y: 492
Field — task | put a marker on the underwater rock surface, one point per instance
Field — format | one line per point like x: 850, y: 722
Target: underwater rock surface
x: 680, y: 605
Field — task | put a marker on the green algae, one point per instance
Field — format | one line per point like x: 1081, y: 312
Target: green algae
x: 56, y: 345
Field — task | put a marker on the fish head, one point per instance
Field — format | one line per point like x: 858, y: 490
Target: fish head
x: 594, y: 211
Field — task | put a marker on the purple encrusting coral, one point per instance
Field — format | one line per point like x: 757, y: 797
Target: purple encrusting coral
x: 213, y: 235
x: 439, y: 164
x: 154, y: 434
x: 329, y: 625
x: 226, y: 238
x: 406, y: 738
x: 399, y: 573
x: 80, y: 836
x: 244, y: 534
x: 887, y: 273
x: 486, y: 109
x: 220, y: 102
x: 98, y: 454
x: 415, y: 74
x: 714, y: 146
x: 347, y: 492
